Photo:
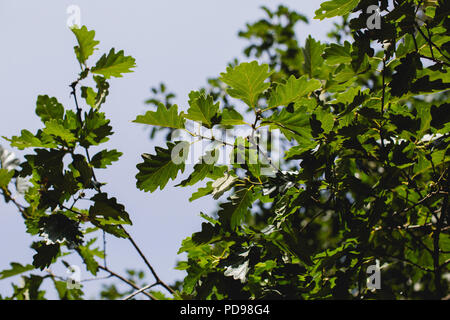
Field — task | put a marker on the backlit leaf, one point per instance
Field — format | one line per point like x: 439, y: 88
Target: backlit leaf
x: 16, y: 268
x: 105, y: 158
x: 333, y: 8
x: 292, y: 90
x: 86, y: 43
x: 163, y: 117
x: 158, y: 169
x: 202, y: 109
x: 114, y: 64
x: 247, y: 81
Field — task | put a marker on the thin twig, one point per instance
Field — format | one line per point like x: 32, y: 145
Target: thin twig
x: 383, y: 148
x: 158, y: 280
x: 312, y: 220
x: 9, y: 197
x: 436, y: 238
x: 127, y: 281
x: 140, y: 290
x: 435, y: 60
x: 410, y: 262
x: 445, y: 263
x: 74, y: 93
x: 417, y: 203
x: 430, y: 41
x: 429, y: 35
x: 152, y: 270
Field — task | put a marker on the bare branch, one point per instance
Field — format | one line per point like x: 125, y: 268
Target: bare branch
x: 127, y: 282
x: 140, y: 290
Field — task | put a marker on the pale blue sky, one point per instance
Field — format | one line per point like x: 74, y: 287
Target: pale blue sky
x: 181, y: 43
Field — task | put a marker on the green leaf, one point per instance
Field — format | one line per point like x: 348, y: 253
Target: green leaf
x: 230, y: 117
x: 201, y: 192
x: 205, y: 169
x: 96, y: 129
x: 222, y: 185
x: 56, y: 129
x: 424, y: 114
x: 234, y: 212
x: 347, y: 96
x: 245, y: 155
x: 336, y: 54
x: 209, y: 219
x: 82, y: 170
x: 158, y: 169
x: 86, y: 43
x: 49, y: 108
x: 163, y: 117
x: 5, y: 177
x: 102, y: 91
x: 335, y: 8
x: 96, y: 99
x: 64, y: 293
x: 344, y: 74
x: 108, y: 211
x: 57, y: 228
x: 88, y: 94
x: 326, y: 118
x: 195, y: 272
x: 440, y: 117
x: 45, y: 164
x: 238, y: 265
x: 300, y: 149
x: 28, y: 140
x: 202, y: 109
x: 242, y: 200
x: 293, y: 125
x: 405, y: 73
x: 292, y: 91
x: 206, y: 235
x: 114, y: 64
x: 247, y: 81
x: 16, y: 268
x: 71, y: 121
x: 313, y: 57
x: 29, y: 290
x: 45, y: 254
x: 88, y: 256
x: 105, y: 158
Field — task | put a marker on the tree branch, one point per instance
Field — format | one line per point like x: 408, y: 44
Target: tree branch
x: 113, y: 274
x: 436, y: 236
x: 152, y: 270
x: 432, y: 44
x: 140, y: 290
x: 158, y: 280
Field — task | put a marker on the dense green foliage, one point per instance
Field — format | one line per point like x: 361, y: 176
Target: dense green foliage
x: 364, y: 123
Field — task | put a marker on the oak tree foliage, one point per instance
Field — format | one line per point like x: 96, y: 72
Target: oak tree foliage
x: 365, y: 129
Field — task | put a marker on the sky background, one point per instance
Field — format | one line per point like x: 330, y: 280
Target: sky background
x: 180, y: 43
